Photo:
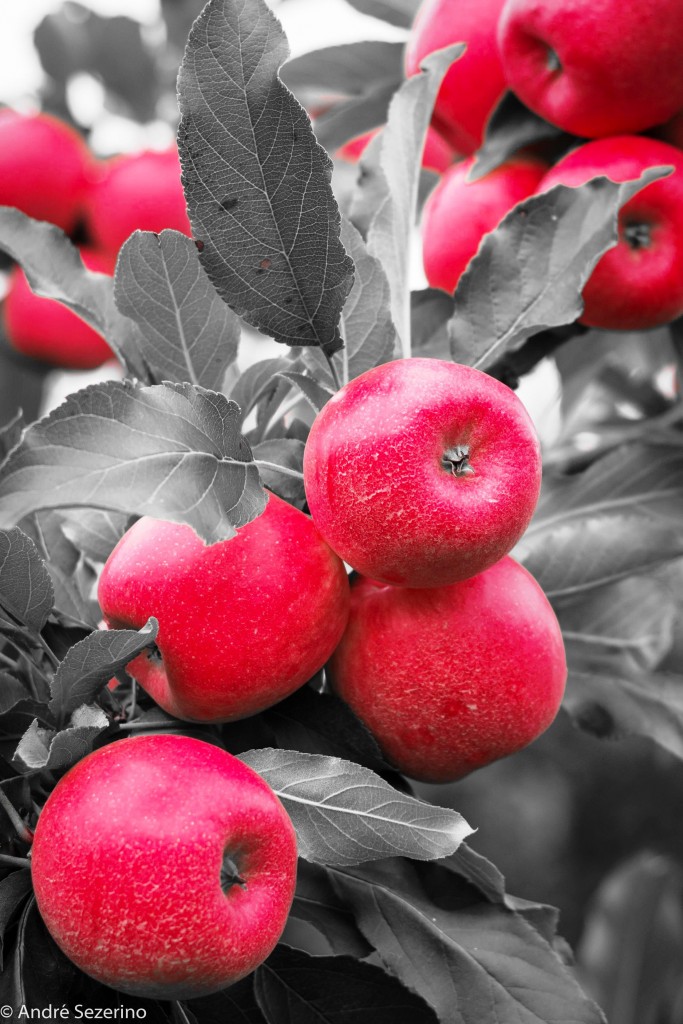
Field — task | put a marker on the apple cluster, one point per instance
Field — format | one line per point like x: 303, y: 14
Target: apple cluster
x: 48, y: 172
x: 609, y: 79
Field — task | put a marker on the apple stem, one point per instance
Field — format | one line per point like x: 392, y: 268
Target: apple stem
x: 230, y: 875
x: 455, y: 461
x: 24, y: 833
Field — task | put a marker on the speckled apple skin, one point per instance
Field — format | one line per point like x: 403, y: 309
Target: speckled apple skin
x: 633, y: 288
x: 376, y: 486
x: 242, y: 623
x: 126, y: 866
x: 475, y: 83
x: 458, y: 213
x: 47, y: 330
x: 452, y: 678
x: 45, y: 167
x: 620, y: 62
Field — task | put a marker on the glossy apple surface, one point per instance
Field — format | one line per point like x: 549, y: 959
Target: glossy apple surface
x: 135, y: 192
x: 639, y: 283
x: 131, y: 866
x: 242, y: 623
x: 422, y: 472
x: 44, y: 167
x: 47, y: 330
x: 437, y: 155
x: 474, y: 84
x: 458, y: 213
x: 595, y: 67
x: 452, y: 678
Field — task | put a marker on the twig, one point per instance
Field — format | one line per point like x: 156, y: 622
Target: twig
x: 20, y: 828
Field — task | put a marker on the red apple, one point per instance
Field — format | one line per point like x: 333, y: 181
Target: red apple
x: 474, y: 84
x: 44, y: 167
x: 458, y: 213
x: 47, y: 330
x: 136, y: 192
x: 437, y: 155
x: 164, y: 867
x: 242, y: 623
x: 451, y: 678
x: 422, y: 472
x: 595, y: 67
x: 639, y: 283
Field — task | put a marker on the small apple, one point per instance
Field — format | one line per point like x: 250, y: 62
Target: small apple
x: 595, y: 67
x: 451, y: 678
x: 44, y: 167
x: 135, y: 192
x: 242, y: 623
x: 47, y: 330
x: 474, y: 84
x: 458, y: 213
x: 164, y: 867
x: 422, y: 472
x: 437, y: 154
x: 639, y: 283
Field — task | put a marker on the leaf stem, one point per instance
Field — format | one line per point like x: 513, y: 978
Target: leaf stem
x: 279, y: 469
x: 51, y: 656
x: 333, y: 368
x: 20, y: 828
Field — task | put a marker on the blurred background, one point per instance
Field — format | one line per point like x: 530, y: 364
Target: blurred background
x: 592, y: 827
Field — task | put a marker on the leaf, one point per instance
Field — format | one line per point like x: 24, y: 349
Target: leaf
x: 44, y: 748
x: 288, y: 482
x: 257, y: 382
x: 321, y: 723
x: 396, y: 163
x: 293, y: 987
x: 26, y: 592
x: 55, y: 270
x: 233, y: 1005
x: 511, y: 127
x: 259, y: 196
x: 431, y: 309
x: 349, y: 118
x: 72, y: 578
x: 473, y: 961
x: 345, y: 814
x: 90, y: 664
x: 529, y: 273
x: 172, y: 450
x: 10, y: 434
x: 621, y: 516
x: 13, y: 891
x: 632, y: 943
x: 624, y: 627
x: 351, y: 69
x: 39, y: 976
x: 13, y: 693
x: 317, y: 903
x: 316, y: 394
x: 94, y: 532
x: 369, y: 334
x: 187, y: 332
x: 397, y: 12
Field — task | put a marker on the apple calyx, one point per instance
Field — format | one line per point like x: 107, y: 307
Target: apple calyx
x: 638, y: 235
x: 553, y: 62
x: 230, y: 874
x: 455, y: 461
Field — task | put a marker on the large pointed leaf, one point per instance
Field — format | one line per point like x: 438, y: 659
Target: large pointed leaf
x: 46, y: 748
x: 293, y: 987
x: 621, y: 516
x: 392, y: 173
x: 13, y: 891
x: 256, y: 181
x: 529, y: 273
x: 351, y: 69
x: 26, y: 592
x: 396, y: 12
x: 72, y: 577
x: 345, y: 814
x: 187, y: 332
x: 171, y: 451
x: 473, y: 961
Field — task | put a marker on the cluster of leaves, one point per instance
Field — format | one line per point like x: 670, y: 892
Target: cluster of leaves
x: 189, y: 438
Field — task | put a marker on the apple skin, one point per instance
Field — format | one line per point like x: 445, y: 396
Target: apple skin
x: 473, y: 85
x: 47, y: 330
x: 126, y: 865
x: 44, y: 167
x: 242, y: 623
x: 437, y: 154
x: 452, y: 678
x: 619, y: 63
x: 458, y: 213
x: 135, y: 192
x: 639, y: 283
x: 380, y: 494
